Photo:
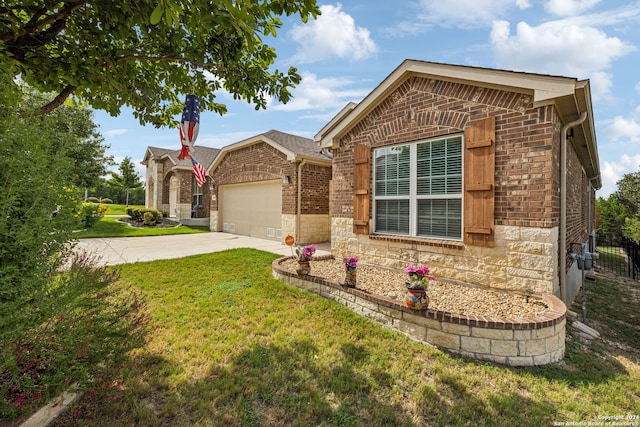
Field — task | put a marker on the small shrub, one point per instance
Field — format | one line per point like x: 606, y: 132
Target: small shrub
x: 149, y: 218
x: 90, y: 213
x: 92, y: 199
x: 140, y: 215
x: 107, y: 201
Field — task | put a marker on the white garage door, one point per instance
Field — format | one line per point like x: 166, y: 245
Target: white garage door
x: 252, y: 209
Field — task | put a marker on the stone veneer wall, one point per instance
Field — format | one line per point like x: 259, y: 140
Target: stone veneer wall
x: 315, y: 228
x: 288, y: 226
x: 523, y: 257
x: 511, y: 342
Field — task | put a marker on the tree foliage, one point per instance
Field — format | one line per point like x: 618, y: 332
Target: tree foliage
x: 77, y: 137
x: 127, y: 176
x: 628, y: 192
x: 619, y: 214
x: 144, y: 53
x: 40, y: 170
x: 611, y: 215
x: 125, y: 186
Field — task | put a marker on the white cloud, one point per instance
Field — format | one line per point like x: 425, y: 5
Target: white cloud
x: 333, y: 34
x: 315, y: 93
x: 559, y: 47
x: 569, y: 7
x: 114, y: 132
x: 627, y: 130
x: 612, y: 172
x: 467, y: 13
x: 601, y: 84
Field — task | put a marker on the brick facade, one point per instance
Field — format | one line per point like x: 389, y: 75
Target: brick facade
x: 263, y: 162
x: 257, y: 162
x: 421, y: 108
x: 527, y: 183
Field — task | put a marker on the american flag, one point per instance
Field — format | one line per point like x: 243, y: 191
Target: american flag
x: 189, y: 124
x: 199, y: 171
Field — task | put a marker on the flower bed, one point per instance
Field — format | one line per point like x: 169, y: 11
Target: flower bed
x: 506, y: 337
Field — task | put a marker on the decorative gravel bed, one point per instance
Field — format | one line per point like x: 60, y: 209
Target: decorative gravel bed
x: 444, y: 296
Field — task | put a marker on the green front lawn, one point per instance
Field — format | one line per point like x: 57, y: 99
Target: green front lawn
x: 232, y: 346
x: 108, y: 226
x: 120, y: 209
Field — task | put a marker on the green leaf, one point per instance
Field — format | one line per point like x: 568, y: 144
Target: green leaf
x: 156, y: 16
x: 145, y: 52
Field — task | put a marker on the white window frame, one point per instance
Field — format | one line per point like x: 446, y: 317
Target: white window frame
x: 413, y: 197
x: 197, y: 193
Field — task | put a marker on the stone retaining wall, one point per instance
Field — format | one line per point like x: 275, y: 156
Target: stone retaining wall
x: 511, y: 342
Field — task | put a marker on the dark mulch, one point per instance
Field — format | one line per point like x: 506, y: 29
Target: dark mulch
x: 165, y: 223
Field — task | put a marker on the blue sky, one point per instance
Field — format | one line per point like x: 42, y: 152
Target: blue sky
x: 354, y: 45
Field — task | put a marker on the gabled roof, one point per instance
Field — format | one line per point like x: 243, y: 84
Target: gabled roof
x: 571, y: 97
x: 204, y: 155
x: 296, y: 148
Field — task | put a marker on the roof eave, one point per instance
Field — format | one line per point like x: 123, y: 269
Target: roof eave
x: 313, y: 160
x: 584, y: 140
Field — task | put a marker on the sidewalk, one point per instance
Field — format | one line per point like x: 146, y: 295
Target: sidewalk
x: 121, y: 250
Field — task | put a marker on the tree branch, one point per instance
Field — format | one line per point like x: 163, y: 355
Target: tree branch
x: 58, y: 100
x: 34, y: 25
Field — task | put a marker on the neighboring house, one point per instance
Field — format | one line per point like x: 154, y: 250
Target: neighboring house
x: 171, y: 186
x: 487, y: 176
x: 272, y: 185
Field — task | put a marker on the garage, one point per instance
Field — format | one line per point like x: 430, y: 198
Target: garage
x: 253, y: 209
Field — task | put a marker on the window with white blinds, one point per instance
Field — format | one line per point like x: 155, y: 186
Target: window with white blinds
x: 418, y: 189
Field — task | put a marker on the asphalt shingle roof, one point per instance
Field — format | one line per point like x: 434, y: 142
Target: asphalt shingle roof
x: 297, y: 144
x: 204, y: 155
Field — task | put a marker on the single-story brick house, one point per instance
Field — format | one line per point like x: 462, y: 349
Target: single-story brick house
x: 488, y: 176
x: 272, y: 185
x: 170, y: 183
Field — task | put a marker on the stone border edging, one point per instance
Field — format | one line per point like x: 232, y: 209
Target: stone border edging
x: 512, y: 342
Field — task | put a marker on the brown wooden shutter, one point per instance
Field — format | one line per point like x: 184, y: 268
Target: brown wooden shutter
x: 479, y: 182
x: 361, y: 188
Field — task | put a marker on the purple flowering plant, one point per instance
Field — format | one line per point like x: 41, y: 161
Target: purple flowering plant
x: 418, y: 277
x: 350, y: 262
x: 305, y: 253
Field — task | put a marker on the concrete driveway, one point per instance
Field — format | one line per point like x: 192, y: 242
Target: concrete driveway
x: 122, y: 250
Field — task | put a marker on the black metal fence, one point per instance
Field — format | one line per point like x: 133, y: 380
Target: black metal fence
x: 618, y: 255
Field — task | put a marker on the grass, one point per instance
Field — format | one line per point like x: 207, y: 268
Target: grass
x: 108, y: 226
x: 611, y: 256
x: 113, y: 209
x: 231, y: 346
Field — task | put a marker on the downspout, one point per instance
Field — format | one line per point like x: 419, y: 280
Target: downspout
x: 299, y: 206
x: 563, y: 205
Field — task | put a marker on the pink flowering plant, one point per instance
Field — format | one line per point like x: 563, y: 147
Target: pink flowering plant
x: 418, y: 277
x: 305, y: 253
x: 350, y: 262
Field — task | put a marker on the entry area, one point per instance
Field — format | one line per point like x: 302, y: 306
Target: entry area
x: 253, y: 209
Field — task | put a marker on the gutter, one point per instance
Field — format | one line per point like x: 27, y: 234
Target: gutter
x: 563, y: 205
